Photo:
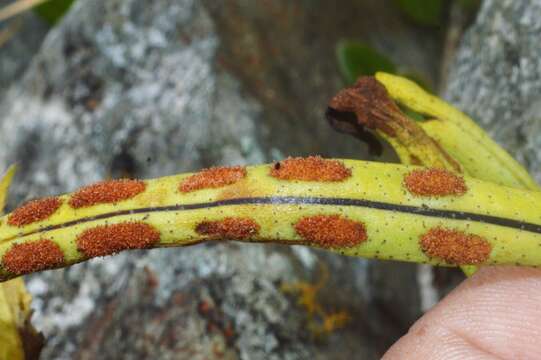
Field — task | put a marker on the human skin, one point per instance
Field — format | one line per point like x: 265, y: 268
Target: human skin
x: 495, y: 314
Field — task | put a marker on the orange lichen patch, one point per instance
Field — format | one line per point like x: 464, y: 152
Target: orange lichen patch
x: 434, y: 182
x: 313, y: 168
x: 33, y: 256
x: 332, y: 322
x: 104, y: 192
x: 109, y: 239
x: 35, y: 210
x: 331, y: 231
x: 213, y: 178
x: 229, y: 228
x: 455, y: 247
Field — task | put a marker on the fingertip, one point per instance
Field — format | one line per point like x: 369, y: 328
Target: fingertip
x: 495, y: 313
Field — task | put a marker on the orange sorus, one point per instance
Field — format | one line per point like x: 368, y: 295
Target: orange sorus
x: 33, y: 256
x: 434, y: 182
x: 229, y: 228
x: 331, y: 231
x: 35, y: 210
x: 104, y: 192
x: 213, y: 178
x: 455, y: 247
x: 109, y: 239
x: 313, y: 168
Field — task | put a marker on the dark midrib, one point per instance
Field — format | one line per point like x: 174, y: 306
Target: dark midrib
x: 294, y: 200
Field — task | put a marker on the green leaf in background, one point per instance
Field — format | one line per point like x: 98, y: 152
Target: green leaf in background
x: 53, y: 10
x: 470, y: 5
x: 356, y: 59
x: 423, y: 12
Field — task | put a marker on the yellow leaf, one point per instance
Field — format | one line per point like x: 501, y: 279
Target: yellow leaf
x: 4, y: 185
x: 16, y: 332
x: 14, y: 310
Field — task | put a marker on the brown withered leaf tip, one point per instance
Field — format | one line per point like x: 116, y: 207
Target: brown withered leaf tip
x: 32, y: 256
x: 109, y: 239
x: 455, y: 247
x: 346, y: 122
x: 369, y: 101
x: 434, y: 182
x: 312, y: 168
x: 367, y: 104
x: 331, y: 231
x: 229, y: 228
x: 35, y: 210
x: 213, y: 178
x: 105, y: 192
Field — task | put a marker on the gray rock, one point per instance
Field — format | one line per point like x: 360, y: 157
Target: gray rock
x: 496, y: 77
x: 147, y: 89
x: 26, y: 32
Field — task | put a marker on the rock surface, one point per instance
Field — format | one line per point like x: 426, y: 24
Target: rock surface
x: 19, y: 40
x: 147, y: 89
x: 496, y: 77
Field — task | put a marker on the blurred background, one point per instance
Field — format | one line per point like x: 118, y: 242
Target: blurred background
x: 94, y: 89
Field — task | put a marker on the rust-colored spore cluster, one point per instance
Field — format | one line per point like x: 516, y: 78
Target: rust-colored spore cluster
x: 455, y: 247
x: 229, y: 228
x: 106, y: 192
x: 35, y: 210
x: 213, y: 178
x: 33, y: 256
x: 434, y: 182
x: 109, y: 239
x: 312, y: 168
x: 331, y: 231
